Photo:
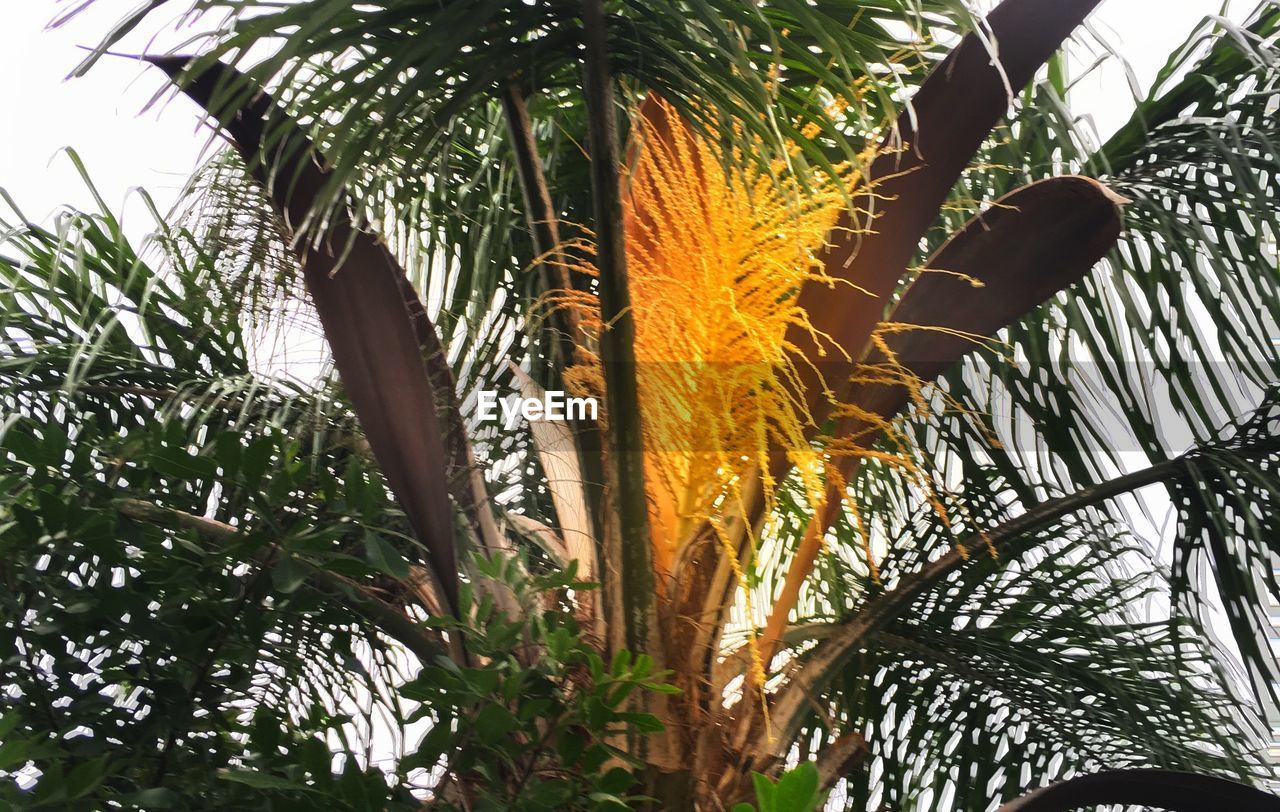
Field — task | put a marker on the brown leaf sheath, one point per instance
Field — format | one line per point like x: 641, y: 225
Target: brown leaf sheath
x: 358, y: 291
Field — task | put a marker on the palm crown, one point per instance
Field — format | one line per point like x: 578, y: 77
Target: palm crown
x: 872, y: 376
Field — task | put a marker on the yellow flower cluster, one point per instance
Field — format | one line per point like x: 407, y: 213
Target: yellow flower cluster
x: 718, y: 246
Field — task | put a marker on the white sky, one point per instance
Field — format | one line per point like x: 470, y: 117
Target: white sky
x: 100, y: 115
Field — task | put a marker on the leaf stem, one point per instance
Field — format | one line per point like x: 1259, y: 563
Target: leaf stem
x: 388, y: 618
x: 630, y: 577
x: 820, y: 666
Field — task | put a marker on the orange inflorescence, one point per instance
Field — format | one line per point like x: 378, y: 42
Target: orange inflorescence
x: 717, y: 248
x: 725, y: 244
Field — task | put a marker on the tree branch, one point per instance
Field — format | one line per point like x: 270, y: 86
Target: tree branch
x: 388, y: 618
x: 584, y: 440
x: 541, y: 216
x: 838, y: 757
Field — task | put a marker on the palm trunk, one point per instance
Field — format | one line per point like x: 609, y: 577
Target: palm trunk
x: 630, y: 589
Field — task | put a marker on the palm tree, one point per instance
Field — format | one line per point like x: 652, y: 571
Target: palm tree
x: 877, y: 334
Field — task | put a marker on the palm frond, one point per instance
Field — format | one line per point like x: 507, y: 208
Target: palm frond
x: 382, y: 348
x: 148, y: 654
x: 385, y: 82
x: 1117, y: 367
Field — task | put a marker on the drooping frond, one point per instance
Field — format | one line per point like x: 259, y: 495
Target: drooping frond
x: 383, y: 343
x: 128, y: 396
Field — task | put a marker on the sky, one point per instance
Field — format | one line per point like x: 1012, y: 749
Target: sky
x: 103, y: 115
x: 100, y: 116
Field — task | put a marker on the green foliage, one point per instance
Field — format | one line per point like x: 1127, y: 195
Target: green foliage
x: 392, y: 84
x: 536, y: 723
x: 165, y: 672
x: 138, y: 654
x: 171, y: 526
x: 796, y: 790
